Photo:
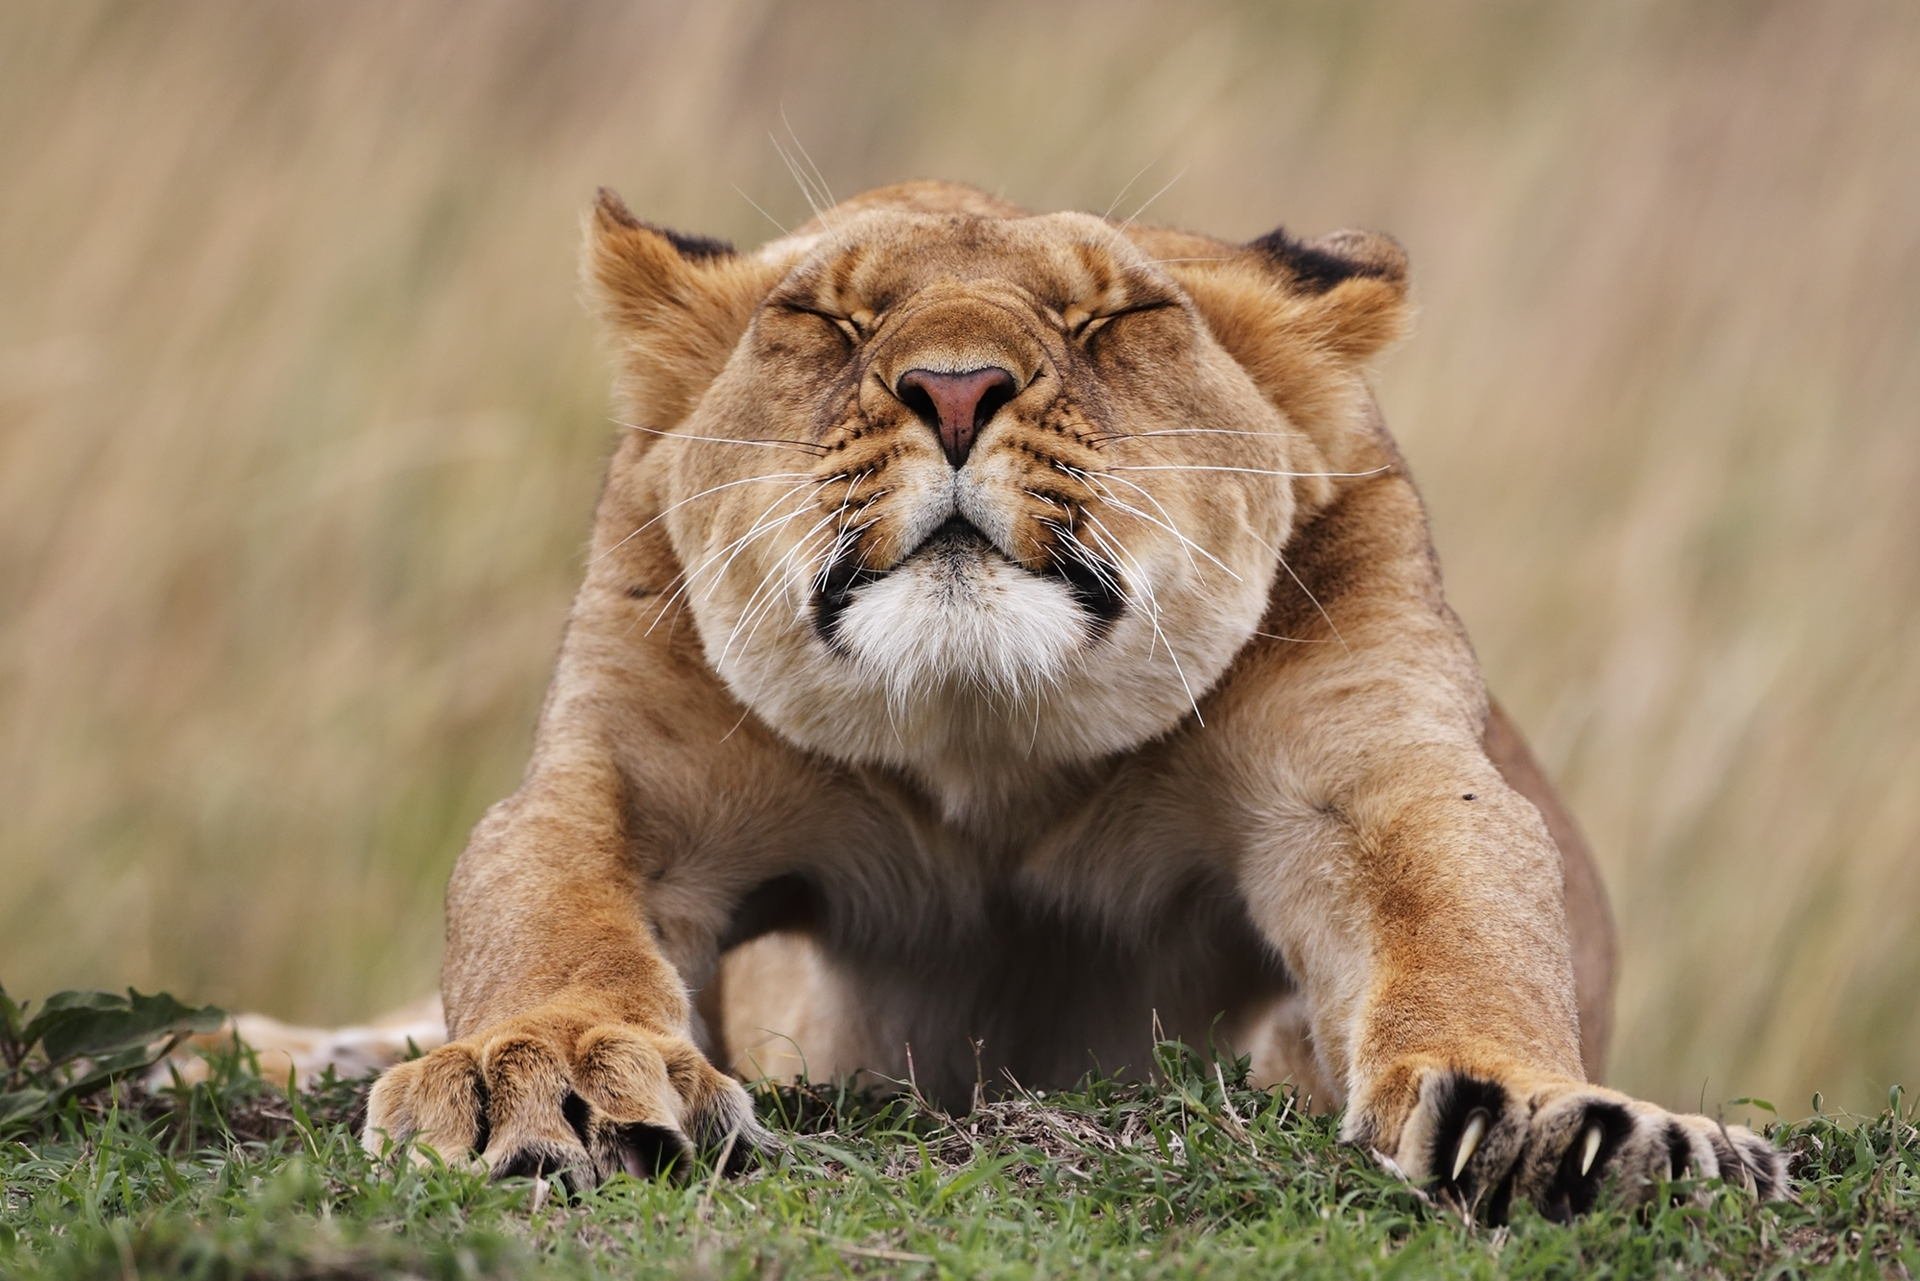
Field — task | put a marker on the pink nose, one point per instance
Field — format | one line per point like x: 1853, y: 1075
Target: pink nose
x: 956, y: 406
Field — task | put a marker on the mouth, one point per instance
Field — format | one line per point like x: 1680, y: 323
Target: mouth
x: 1093, y: 584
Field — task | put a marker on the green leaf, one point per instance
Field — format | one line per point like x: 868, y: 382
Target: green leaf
x: 12, y: 1019
x: 106, y: 1067
x: 21, y: 1105
x: 66, y: 1005
x: 95, y: 1024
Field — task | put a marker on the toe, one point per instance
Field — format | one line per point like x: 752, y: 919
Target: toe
x: 438, y: 1102
x: 537, y: 1120
x: 1573, y: 1148
x: 1765, y: 1163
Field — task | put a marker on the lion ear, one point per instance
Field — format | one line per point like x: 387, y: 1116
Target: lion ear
x: 1353, y: 284
x: 675, y: 305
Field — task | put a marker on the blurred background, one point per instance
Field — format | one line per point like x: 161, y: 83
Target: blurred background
x: 300, y: 424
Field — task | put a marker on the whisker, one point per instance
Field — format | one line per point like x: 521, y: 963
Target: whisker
x: 747, y: 480
x: 828, y: 552
x: 1325, y: 616
x: 744, y: 713
x: 1144, y: 584
x: 763, y: 213
x: 1278, y: 556
x: 1033, y: 737
x: 1153, y: 618
x: 764, y: 513
x: 767, y: 442
x: 1250, y: 471
x: 689, y: 578
x: 1113, y: 500
x: 684, y: 592
x: 1102, y: 573
x: 799, y: 179
x: 801, y: 147
x: 1103, y: 437
x: 774, y: 578
x: 1294, y: 640
x: 1150, y: 199
x: 1122, y: 193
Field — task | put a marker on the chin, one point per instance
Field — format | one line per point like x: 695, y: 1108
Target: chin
x: 958, y: 618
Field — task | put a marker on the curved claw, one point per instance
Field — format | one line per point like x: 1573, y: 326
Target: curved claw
x: 1470, y: 1137
x: 1591, y: 1148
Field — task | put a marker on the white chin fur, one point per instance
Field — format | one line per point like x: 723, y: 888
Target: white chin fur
x: 962, y: 619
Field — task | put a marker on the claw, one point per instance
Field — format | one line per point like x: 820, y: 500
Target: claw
x: 1476, y: 1130
x: 1592, y: 1148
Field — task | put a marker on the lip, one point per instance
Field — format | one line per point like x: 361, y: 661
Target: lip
x: 955, y: 533
x: 845, y: 576
x: 958, y: 536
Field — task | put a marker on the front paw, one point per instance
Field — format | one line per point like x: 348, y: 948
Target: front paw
x: 556, y: 1094
x: 1483, y: 1136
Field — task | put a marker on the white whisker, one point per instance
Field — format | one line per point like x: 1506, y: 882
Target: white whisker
x: 829, y: 551
x: 1153, y: 617
x: 1182, y: 431
x: 1328, y: 618
x: 819, y: 179
x: 1150, y: 199
x: 1113, y: 500
x: 763, y: 213
x: 1122, y: 193
x: 1250, y: 471
x: 799, y: 179
x: 1095, y: 566
x: 763, y: 442
x: 688, y: 578
x: 746, y: 480
x: 688, y: 581
x: 1277, y: 554
x: 773, y: 578
x: 764, y: 513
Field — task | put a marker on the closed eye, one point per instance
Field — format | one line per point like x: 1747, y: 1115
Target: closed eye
x: 1086, y: 327
x: 849, y: 326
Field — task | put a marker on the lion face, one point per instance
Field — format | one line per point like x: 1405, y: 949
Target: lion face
x: 968, y: 492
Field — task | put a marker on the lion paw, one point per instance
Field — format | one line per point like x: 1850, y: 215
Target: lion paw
x: 1482, y: 1139
x: 565, y: 1098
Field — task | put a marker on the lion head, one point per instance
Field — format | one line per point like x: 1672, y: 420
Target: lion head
x: 958, y: 490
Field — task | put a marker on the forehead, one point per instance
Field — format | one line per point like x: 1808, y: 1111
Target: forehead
x: 882, y: 255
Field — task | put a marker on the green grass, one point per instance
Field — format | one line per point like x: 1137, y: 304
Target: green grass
x: 1187, y: 1176
x: 301, y: 425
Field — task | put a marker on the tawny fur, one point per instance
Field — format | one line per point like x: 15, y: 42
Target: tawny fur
x: 970, y: 826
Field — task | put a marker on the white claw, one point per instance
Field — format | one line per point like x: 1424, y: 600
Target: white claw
x: 1470, y: 1137
x: 1591, y: 1150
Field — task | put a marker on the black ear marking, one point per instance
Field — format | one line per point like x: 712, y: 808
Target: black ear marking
x: 1316, y: 266
x: 613, y: 212
x: 694, y: 247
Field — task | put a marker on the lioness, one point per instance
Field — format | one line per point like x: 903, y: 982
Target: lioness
x: 1004, y: 636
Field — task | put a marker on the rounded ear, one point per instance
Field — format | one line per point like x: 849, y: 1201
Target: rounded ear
x: 675, y: 304
x: 1354, y: 283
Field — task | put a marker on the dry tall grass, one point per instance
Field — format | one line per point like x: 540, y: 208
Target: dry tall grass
x: 299, y: 426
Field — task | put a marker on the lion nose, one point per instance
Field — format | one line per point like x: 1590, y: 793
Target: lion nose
x: 956, y: 406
